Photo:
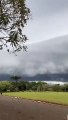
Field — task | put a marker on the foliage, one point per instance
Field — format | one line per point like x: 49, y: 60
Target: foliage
x: 4, y: 86
x: 31, y: 86
x: 14, y: 14
x: 56, y: 87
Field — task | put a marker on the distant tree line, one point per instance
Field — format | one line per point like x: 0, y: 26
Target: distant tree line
x: 31, y: 86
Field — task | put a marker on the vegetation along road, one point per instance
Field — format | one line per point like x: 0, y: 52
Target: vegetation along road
x: 53, y: 97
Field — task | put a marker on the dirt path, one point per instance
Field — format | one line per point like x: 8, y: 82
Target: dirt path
x: 20, y: 109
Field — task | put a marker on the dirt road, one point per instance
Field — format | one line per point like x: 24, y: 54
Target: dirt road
x: 21, y: 109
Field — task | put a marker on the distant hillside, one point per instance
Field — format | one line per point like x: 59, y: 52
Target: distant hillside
x: 48, y: 77
x: 44, y: 77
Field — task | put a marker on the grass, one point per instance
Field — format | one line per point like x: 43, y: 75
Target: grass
x: 53, y: 97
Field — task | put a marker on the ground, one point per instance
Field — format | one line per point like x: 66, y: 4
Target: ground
x: 22, y: 109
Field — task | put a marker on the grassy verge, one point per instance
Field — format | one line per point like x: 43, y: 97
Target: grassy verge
x: 53, y: 97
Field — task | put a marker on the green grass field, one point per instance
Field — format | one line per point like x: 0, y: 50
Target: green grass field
x: 53, y: 97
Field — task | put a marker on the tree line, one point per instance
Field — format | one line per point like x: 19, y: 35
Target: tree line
x: 6, y: 86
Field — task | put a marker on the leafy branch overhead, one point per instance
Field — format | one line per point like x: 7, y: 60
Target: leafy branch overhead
x: 14, y: 14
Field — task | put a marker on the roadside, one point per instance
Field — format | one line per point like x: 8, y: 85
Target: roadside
x: 23, y: 109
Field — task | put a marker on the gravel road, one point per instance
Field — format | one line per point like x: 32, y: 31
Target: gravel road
x: 22, y: 109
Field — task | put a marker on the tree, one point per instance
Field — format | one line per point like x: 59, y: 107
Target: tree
x: 14, y: 14
x: 65, y: 87
x: 21, y: 86
x: 4, y: 86
x: 56, y: 87
x: 16, y: 78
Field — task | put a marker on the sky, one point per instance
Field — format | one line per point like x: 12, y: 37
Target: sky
x: 49, y: 19
x: 47, y: 31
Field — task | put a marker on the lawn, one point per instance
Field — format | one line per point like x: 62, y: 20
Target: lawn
x: 53, y: 97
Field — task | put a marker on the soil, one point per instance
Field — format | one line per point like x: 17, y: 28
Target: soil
x: 21, y: 109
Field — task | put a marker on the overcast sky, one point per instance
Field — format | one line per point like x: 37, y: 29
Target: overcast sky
x: 49, y: 21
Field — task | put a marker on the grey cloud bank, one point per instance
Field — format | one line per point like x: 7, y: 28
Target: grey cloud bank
x: 49, y: 56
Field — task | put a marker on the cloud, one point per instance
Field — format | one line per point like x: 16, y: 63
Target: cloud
x: 41, y: 7
x: 43, y: 57
x: 49, y: 19
x: 49, y: 56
